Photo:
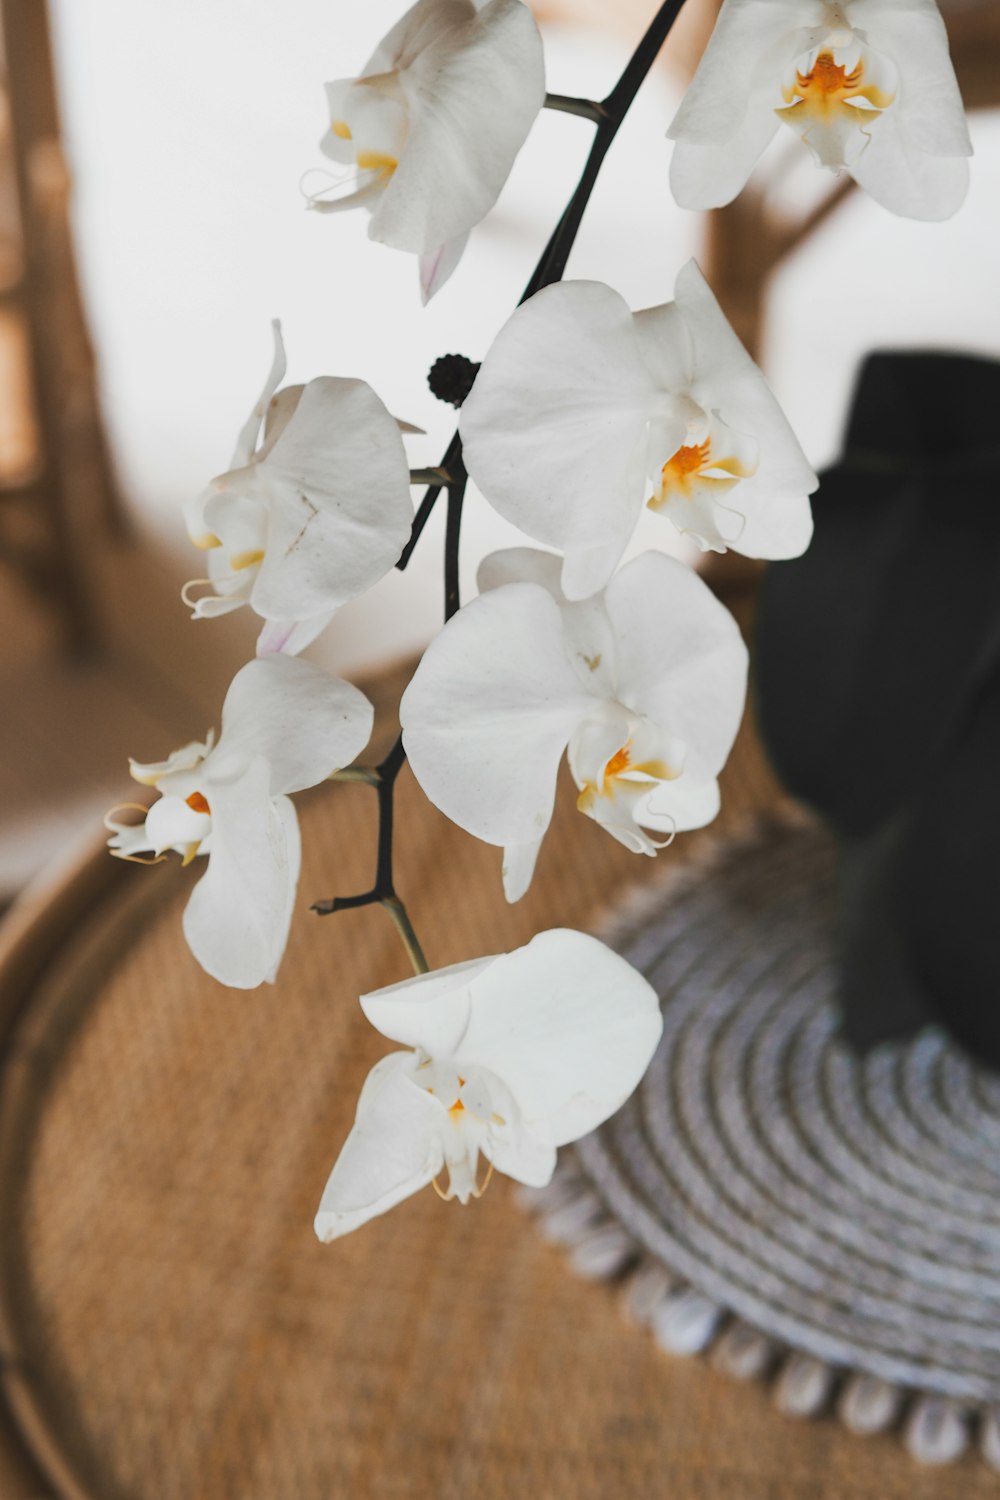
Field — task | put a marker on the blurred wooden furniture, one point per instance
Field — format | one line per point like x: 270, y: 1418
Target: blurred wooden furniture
x: 55, y: 473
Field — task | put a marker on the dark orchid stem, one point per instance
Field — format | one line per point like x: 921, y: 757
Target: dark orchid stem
x: 607, y: 116
x: 613, y: 111
x: 453, y: 456
x: 383, y: 778
x: 452, y: 539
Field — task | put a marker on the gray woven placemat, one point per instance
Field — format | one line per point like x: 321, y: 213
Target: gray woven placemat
x: 827, y: 1223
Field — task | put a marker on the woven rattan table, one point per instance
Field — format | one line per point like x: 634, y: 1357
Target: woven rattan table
x: 170, y: 1327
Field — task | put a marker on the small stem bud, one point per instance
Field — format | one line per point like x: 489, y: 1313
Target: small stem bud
x: 451, y: 378
x: 587, y: 109
x: 430, y: 476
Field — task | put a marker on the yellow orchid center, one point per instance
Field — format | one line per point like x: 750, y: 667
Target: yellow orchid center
x: 198, y: 802
x: 683, y: 465
x: 827, y: 82
x: 693, y: 465
x: 619, y: 762
x: 829, y: 87
x: 376, y: 161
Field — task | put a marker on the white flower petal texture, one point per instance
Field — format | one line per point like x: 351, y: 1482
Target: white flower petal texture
x: 512, y: 1057
x: 868, y: 85
x: 582, y: 410
x: 642, y: 684
x: 285, y: 726
x: 431, y: 127
x: 312, y: 517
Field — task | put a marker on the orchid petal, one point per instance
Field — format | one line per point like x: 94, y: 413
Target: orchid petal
x: 568, y: 1026
x: 337, y: 479
x: 236, y: 922
x: 773, y: 500
x: 488, y: 68
x: 172, y: 823
x: 250, y: 432
x: 489, y: 712
x: 622, y: 815
x: 919, y: 187
x: 184, y: 759
x: 518, y: 868
x: 289, y: 637
x: 913, y: 34
x: 424, y: 25
x: 564, y: 396
x: 664, y: 341
x: 747, y: 33
x: 681, y: 661
x: 129, y: 839
x: 521, y: 565
x: 709, y: 174
x: 394, y: 1149
x: 197, y: 527
x: 430, y: 1011
x: 437, y: 265
x: 524, y: 1154
x: 587, y: 634
x: 676, y: 806
x: 302, y: 721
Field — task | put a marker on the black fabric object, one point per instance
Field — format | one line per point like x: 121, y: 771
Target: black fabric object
x: 878, y: 687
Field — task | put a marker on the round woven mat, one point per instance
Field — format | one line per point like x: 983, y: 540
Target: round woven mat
x: 832, y: 1222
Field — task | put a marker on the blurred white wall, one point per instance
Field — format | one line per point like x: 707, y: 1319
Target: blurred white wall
x: 189, y: 127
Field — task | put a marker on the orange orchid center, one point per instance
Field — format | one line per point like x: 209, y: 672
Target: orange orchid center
x: 828, y: 89
x: 619, y: 762
x: 684, y: 466
x: 694, y: 466
x: 827, y: 82
x: 198, y: 803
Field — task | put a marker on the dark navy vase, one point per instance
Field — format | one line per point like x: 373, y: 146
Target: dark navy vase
x: 878, y: 687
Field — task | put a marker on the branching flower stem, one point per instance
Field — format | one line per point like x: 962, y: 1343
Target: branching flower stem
x: 450, y: 475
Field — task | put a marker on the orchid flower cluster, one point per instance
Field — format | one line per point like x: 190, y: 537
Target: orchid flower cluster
x: 582, y: 413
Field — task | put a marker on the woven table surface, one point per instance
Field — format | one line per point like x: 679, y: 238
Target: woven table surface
x: 170, y: 1326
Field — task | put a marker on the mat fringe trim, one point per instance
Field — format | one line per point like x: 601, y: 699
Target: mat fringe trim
x: 935, y: 1430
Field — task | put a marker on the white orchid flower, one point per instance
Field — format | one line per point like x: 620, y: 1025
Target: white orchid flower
x: 285, y: 726
x: 643, y: 684
x: 582, y: 409
x: 433, y: 125
x: 312, y: 517
x: 513, y: 1056
x: 867, y: 84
